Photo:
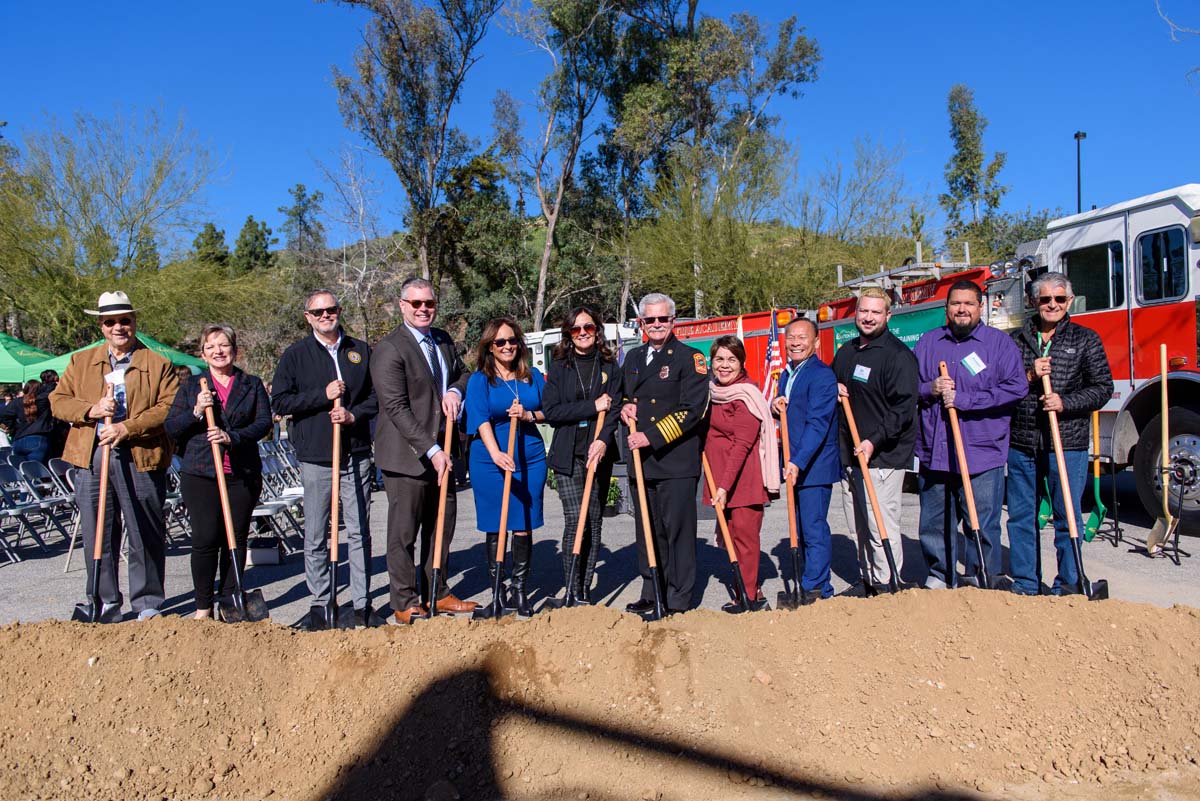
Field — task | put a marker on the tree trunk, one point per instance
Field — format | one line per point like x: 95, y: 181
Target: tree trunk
x: 539, y: 306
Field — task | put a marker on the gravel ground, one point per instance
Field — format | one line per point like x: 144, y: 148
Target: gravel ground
x: 38, y: 589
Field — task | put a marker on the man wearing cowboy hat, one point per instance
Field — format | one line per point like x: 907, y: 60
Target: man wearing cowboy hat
x: 143, y: 387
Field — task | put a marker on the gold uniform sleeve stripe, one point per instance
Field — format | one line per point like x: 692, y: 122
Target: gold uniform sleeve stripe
x: 670, y: 432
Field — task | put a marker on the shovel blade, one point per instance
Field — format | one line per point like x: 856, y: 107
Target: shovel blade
x: 1158, y: 535
x: 1099, y: 590
x: 256, y: 606
x: 230, y: 610
x: 787, y: 600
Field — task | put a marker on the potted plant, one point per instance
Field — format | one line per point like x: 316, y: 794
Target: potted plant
x: 613, y: 498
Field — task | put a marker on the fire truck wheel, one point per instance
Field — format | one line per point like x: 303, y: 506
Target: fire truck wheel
x: 1185, y: 464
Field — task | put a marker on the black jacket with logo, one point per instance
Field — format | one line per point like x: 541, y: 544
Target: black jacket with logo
x: 882, y: 379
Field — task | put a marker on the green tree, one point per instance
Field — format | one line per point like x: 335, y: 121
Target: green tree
x: 973, y: 191
x: 304, y: 233
x: 410, y: 73
x: 209, y: 246
x: 252, y: 251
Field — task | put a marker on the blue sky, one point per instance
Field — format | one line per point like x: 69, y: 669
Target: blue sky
x: 252, y: 79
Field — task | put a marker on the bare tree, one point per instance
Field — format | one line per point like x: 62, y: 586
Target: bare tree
x: 1178, y: 32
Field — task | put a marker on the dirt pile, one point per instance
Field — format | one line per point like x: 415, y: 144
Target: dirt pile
x: 922, y: 695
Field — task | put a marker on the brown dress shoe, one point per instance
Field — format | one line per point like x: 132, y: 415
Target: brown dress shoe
x: 405, y: 618
x: 454, y: 606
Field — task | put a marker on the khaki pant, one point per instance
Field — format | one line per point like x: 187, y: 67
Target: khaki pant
x: 861, y: 519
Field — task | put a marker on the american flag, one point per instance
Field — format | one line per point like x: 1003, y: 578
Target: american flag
x: 773, y: 365
x: 620, y: 347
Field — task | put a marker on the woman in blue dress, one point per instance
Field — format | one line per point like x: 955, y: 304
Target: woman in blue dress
x: 504, y: 389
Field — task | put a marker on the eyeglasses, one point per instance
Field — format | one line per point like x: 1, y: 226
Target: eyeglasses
x: 1059, y: 299
x: 332, y: 311
x: 663, y: 319
x: 586, y: 328
x: 504, y: 343
x: 124, y: 322
x: 421, y: 303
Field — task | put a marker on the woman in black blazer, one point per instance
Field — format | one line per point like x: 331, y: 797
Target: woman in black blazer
x: 583, y: 379
x: 242, y: 416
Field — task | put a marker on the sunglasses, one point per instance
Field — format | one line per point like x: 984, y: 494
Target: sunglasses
x: 332, y: 311
x: 421, y: 304
x: 124, y: 322
x: 586, y: 328
x: 504, y: 343
x: 663, y: 319
x: 1059, y: 299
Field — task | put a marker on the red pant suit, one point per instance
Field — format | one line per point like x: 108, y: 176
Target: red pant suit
x: 732, y: 449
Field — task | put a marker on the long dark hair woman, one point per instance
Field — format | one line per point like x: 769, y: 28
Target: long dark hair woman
x: 241, y: 417
x: 28, y: 418
x: 505, y: 391
x: 582, y: 380
x: 741, y: 451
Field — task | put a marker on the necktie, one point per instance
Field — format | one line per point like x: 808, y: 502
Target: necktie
x: 649, y: 355
x: 435, y: 366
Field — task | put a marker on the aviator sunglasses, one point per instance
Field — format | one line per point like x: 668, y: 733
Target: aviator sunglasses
x: 421, y: 304
x: 1059, y: 299
x: 332, y: 311
x: 503, y: 342
x: 586, y: 328
x: 662, y: 319
x: 124, y: 322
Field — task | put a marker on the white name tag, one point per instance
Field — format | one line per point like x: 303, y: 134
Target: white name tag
x: 862, y: 373
x: 974, y: 364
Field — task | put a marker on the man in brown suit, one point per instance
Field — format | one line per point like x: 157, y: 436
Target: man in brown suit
x: 420, y: 380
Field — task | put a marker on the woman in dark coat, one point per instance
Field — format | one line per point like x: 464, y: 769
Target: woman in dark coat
x: 242, y: 416
x: 581, y: 381
x: 28, y: 418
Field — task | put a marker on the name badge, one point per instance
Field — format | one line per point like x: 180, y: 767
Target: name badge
x: 583, y: 423
x: 862, y: 373
x: 974, y: 364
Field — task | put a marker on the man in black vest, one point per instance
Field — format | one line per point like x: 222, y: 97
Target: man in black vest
x: 666, y: 393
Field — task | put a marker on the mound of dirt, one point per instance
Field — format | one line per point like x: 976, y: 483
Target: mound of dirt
x: 922, y: 695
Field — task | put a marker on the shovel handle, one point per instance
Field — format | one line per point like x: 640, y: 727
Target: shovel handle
x: 443, y: 488
x: 577, y: 544
x: 336, y: 483
x: 1165, y: 436
x: 866, y: 471
x: 1096, y: 444
x: 793, y: 535
x: 651, y: 559
x: 502, y: 541
x: 219, y: 467
x: 968, y: 490
x: 1064, y: 482
x: 102, y: 501
x: 720, y: 509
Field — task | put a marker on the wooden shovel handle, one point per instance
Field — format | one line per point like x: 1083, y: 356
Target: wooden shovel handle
x: 719, y: 508
x: 793, y: 535
x: 102, y: 501
x: 1165, y: 436
x: 219, y: 466
x: 587, y: 491
x: 443, y: 488
x: 336, y: 483
x: 502, y: 542
x: 968, y: 490
x: 1096, y: 444
x: 1064, y: 482
x: 866, y: 471
x: 651, y: 559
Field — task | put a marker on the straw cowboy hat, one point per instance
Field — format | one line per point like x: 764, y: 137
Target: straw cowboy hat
x: 112, y: 303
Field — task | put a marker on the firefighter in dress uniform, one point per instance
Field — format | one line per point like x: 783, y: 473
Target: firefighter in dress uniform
x: 665, y: 390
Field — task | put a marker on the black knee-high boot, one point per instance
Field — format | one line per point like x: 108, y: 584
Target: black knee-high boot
x: 522, y: 552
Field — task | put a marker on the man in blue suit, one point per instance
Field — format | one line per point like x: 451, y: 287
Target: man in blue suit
x: 807, y: 403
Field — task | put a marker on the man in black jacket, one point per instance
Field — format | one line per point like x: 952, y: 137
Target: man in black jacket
x: 311, y: 375
x: 665, y: 391
x: 879, y: 374
x: 1081, y: 380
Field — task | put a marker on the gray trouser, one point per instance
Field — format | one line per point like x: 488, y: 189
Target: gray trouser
x: 889, y: 485
x: 136, y: 499
x: 354, y: 511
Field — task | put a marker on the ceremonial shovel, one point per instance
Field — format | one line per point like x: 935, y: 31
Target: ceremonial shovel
x: 1098, y: 590
x: 496, y: 608
x: 93, y: 611
x: 439, y: 530
x: 647, y: 532
x: 570, y: 598
x: 969, y: 493
x: 1166, y: 525
x: 793, y: 599
x: 894, y: 578
x: 739, y: 585
x: 239, y: 605
x: 1092, y: 526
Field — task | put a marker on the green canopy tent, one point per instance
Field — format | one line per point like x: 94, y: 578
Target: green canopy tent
x: 17, y: 359
x: 59, y: 363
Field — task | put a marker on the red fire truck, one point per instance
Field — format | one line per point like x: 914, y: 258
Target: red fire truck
x: 1135, y: 271
x: 755, y: 331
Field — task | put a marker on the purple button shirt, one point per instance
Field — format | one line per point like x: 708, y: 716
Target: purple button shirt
x: 989, y: 379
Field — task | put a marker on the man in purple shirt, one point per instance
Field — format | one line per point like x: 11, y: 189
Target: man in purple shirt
x: 986, y: 379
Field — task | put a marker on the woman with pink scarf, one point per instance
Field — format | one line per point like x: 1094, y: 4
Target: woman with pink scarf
x: 741, y: 452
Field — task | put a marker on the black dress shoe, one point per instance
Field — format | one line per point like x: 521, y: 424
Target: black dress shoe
x: 639, y: 607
